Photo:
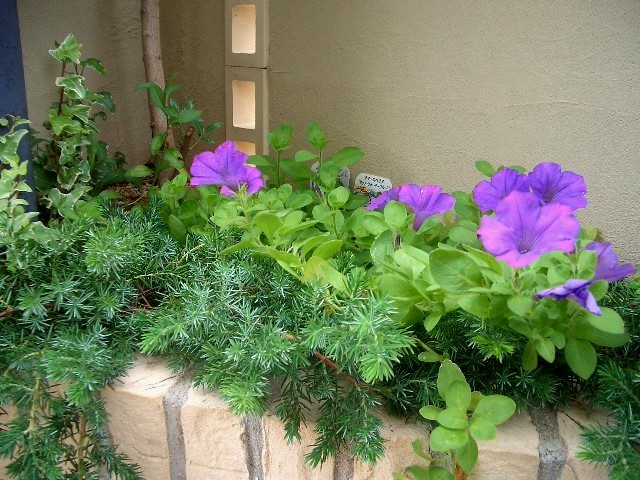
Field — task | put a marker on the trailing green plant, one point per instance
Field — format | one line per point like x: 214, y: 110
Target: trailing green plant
x: 467, y: 417
x: 67, y: 291
x: 71, y: 163
x: 185, y: 127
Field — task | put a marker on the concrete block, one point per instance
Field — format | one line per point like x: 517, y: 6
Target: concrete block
x: 512, y: 455
x: 213, y: 438
x: 247, y: 112
x: 136, y: 416
x: 247, y: 33
x: 286, y: 461
x: 398, y: 451
x: 569, y: 421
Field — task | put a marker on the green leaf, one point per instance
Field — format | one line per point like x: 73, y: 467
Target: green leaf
x: 546, y: 348
x: 268, y: 223
x: 529, y: 356
x: 318, y: 269
x: 156, y: 95
x: 373, y: 223
x: 382, y: 247
x: 476, y: 304
x: 430, y: 412
x: 139, y: 171
x: 485, y: 168
x: 520, y: 305
x: 448, y: 373
x: 171, y: 159
x: 458, y: 396
x: 177, y: 229
x: 587, y: 261
x: 106, y: 100
x: 297, y: 170
x: 304, y: 156
x: 95, y: 65
x: 347, y: 156
x: 430, y: 356
x: 68, y: 50
x: 467, y: 455
x: 609, y: 321
x: 454, y: 271
x: 185, y: 116
x: 432, y: 320
x: 280, y: 139
x: 400, y: 290
x: 338, y: 197
x: 581, y: 357
x: 495, y: 409
x: 599, y: 289
x: 430, y: 473
x: 328, y: 249
x: 482, y: 429
x: 395, y: 215
x: 74, y: 86
x: 452, y: 417
x: 315, y: 136
x: 443, y: 439
x: 157, y: 142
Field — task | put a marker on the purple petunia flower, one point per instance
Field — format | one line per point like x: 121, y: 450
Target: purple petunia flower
x: 379, y: 202
x: 551, y: 185
x: 227, y: 168
x: 488, y: 194
x: 607, y: 268
x: 522, y: 229
x: 425, y: 201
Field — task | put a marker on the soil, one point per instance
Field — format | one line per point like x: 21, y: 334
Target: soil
x: 131, y: 194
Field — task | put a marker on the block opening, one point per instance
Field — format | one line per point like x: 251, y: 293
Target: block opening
x: 246, y: 147
x: 244, y: 104
x: 243, y: 29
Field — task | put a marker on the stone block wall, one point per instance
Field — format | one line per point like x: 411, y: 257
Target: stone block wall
x: 176, y: 432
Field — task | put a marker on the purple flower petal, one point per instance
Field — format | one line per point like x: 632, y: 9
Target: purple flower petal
x: 488, y: 194
x: 425, y: 201
x: 379, y: 202
x: 522, y: 230
x: 551, y: 185
x: 219, y: 168
x: 227, y: 168
x: 576, y: 290
x: 608, y: 267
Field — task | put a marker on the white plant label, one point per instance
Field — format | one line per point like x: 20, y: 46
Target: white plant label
x: 371, y: 185
x: 344, y: 176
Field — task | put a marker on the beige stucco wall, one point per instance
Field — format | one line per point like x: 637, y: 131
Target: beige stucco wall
x: 108, y: 30
x: 193, y: 47
x: 425, y: 88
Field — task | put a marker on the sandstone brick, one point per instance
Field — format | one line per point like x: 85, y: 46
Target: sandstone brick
x: 512, y: 455
x: 6, y: 414
x: 281, y: 460
x: 399, y: 436
x: 568, y: 424
x: 213, y: 438
x: 136, y: 416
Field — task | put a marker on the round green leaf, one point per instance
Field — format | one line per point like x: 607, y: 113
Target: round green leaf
x: 443, y: 439
x: 338, y: 197
x: 430, y: 412
x: 448, y: 373
x: 529, y: 356
x: 454, y: 418
x: 458, y: 395
x: 495, y: 409
x: 468, y: 455
x: 609, y: 321
x: 454, y: 271
x: 395, y: 215
x: 475, y: 304
x: 482, y: 429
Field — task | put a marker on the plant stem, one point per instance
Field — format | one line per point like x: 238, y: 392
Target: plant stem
x: 82, y: 433
x: 64, y: 65
x: 278, y: 167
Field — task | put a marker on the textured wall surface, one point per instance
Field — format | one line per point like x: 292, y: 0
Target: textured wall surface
x: 425, y: 88
x: 193, y: 48
x: 109, y: 31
